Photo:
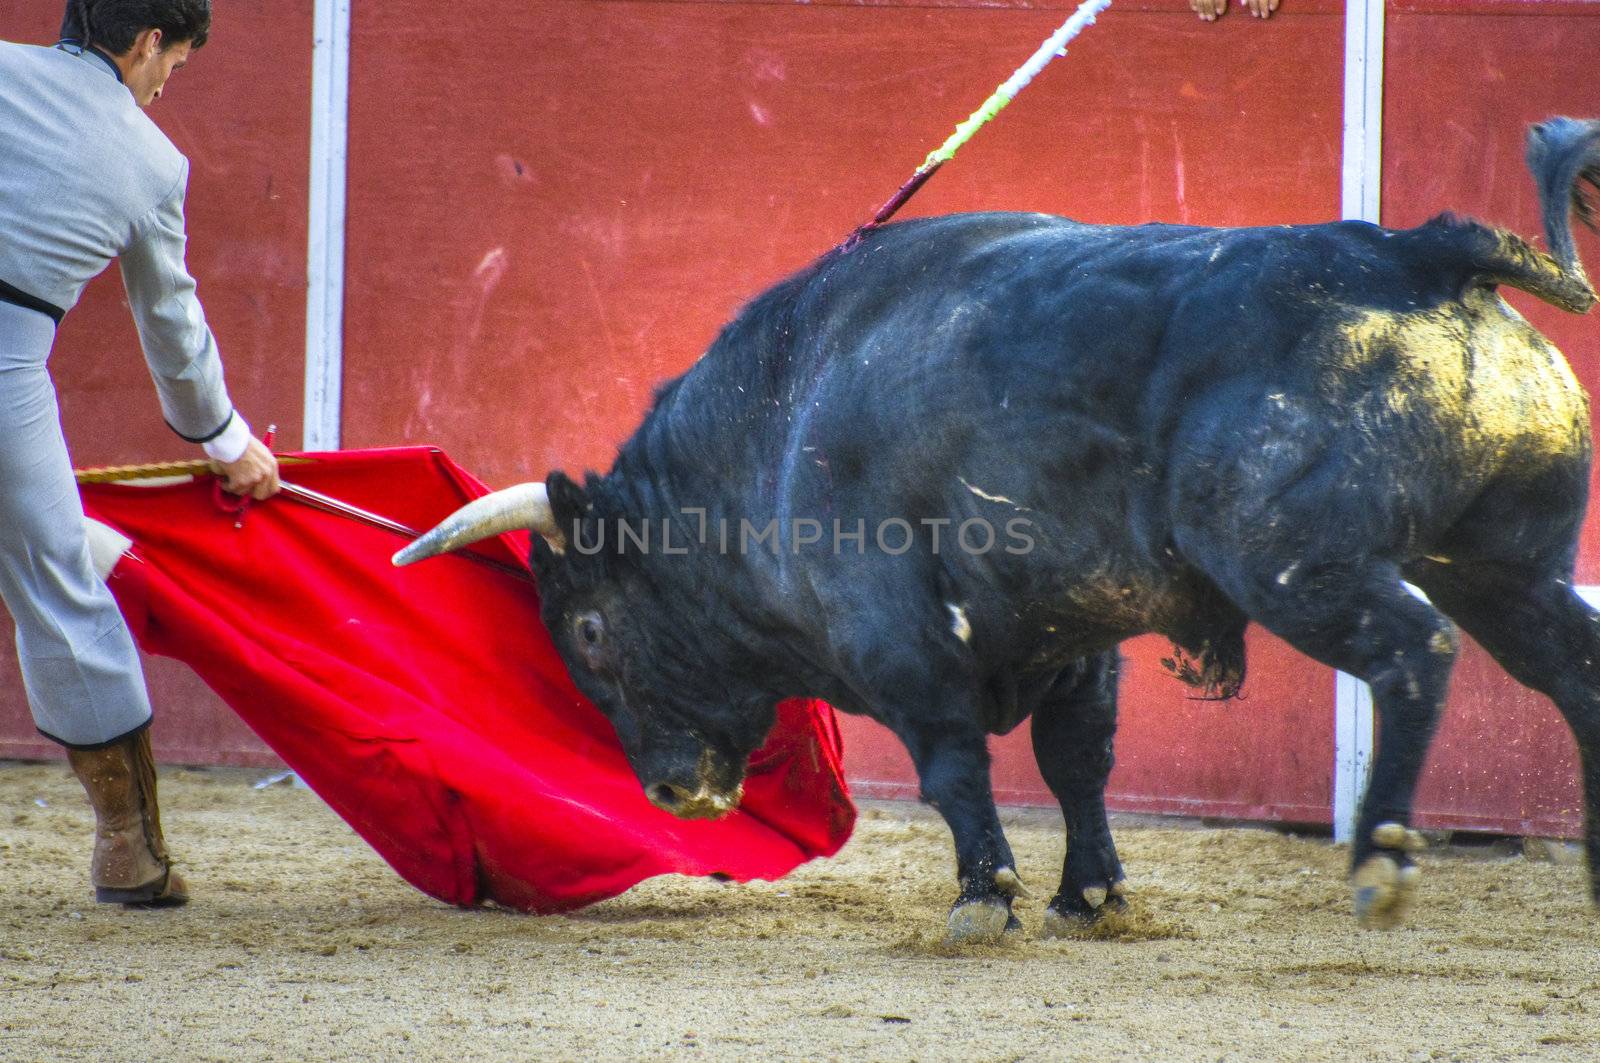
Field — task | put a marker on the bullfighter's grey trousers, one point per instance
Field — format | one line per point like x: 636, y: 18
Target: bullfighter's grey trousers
x: 82, y: 673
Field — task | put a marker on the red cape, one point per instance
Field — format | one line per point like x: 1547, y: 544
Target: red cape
x: 427, y: 705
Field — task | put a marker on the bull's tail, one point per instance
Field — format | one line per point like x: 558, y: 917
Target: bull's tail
x: 1564, y: 155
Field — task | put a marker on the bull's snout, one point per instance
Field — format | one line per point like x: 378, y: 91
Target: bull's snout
x: 700, y: 803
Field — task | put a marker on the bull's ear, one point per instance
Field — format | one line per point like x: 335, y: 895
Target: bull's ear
x: 569, y: 504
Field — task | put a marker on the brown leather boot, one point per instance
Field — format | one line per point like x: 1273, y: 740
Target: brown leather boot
x: 130, y: 864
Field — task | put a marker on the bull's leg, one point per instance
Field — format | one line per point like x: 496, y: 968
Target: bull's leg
x: 1072, y: 738
x: 922, y: 686
x: 952, y: 760
x: 1548, y: 639
x: 1359, y: 617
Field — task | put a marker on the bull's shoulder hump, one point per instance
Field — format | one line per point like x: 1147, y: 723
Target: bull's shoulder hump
x: 1002, y: 225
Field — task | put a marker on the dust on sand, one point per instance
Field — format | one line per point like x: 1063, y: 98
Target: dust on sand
x: 302, y: 944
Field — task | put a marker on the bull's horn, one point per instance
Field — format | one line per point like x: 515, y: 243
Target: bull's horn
x: 523, y: 507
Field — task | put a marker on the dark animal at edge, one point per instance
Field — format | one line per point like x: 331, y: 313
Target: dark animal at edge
x: 1198, y: 427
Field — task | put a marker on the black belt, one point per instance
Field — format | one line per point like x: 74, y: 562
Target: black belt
x: 18, y: 297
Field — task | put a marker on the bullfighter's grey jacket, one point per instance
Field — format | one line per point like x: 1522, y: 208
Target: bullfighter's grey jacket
x: 85, y: 177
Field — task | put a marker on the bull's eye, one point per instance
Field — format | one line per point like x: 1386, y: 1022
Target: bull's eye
x: 591, y: 629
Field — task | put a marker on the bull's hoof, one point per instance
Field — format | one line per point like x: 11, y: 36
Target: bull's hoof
x: 979, y: 920
x: 1383, y: 891
x: 1057, y: 925
x: 1068, y: 915
x: 1386, y: 881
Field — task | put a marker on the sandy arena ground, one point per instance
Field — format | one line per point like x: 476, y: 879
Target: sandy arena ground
x: 301, y: 944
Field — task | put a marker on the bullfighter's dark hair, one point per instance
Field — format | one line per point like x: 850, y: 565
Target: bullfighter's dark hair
x: 113, y: 25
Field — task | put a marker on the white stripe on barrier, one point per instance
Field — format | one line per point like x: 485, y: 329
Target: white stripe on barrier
x: 1361, y: 185
x: 330, y: 100
x: 1362, y: 178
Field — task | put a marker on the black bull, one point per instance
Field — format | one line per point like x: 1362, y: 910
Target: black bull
x: 1153, y: 429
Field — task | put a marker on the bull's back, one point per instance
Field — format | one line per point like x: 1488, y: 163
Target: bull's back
x: 997, y: 319
x: 1104, y: 377
x: 1044, y: 354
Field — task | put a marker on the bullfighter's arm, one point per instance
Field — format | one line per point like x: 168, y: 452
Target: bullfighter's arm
x: 178, y: 344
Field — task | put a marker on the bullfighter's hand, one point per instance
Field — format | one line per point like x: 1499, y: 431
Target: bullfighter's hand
x: 255, y: 473
x: 1261, y: 8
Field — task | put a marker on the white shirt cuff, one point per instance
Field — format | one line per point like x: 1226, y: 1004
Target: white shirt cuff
x: 229, y: 445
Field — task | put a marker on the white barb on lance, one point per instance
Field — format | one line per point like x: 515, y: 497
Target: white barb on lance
x: 1054, y: 46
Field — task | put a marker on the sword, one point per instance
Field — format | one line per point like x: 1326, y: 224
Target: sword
x: 329, y: 504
